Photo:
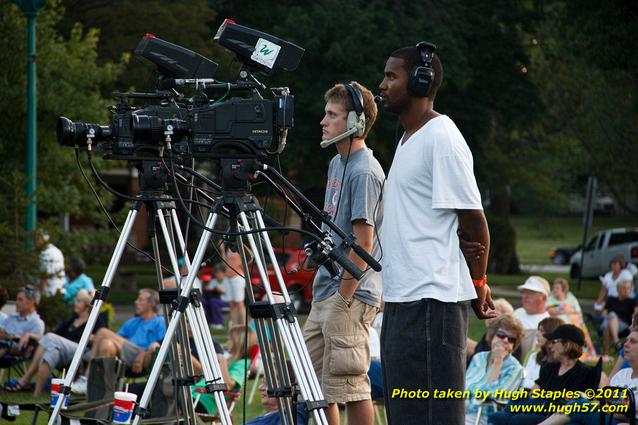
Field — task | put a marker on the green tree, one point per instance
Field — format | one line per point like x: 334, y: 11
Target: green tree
x: 486, y: 89
x: 585, y: 67
x: 189, y: 23
x: 69, y: 80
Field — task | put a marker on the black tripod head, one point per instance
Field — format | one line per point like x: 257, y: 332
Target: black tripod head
x: 153, y: 176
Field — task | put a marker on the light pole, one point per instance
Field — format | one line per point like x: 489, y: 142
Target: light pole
x: 31, y: 8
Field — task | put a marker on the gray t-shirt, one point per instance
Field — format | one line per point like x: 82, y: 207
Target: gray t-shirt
x: 359, y: 199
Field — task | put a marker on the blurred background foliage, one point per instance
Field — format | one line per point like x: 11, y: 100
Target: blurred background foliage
x: 543, y: 91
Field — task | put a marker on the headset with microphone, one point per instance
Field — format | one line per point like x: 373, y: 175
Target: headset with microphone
x: 356, y: 121
x: 422, y: 76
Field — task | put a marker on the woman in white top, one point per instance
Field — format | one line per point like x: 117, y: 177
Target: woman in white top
x: 540, y: 353
x: 610, y: 281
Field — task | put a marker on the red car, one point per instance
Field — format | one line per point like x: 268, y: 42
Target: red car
x: 298, y: 283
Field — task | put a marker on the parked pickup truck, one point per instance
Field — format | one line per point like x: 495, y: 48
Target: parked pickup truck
x: 601, y: 248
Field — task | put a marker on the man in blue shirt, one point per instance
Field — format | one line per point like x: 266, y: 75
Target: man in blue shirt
x: 25, y: 320
x: 137, y: 334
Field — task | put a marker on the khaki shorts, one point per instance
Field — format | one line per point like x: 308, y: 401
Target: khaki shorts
x: 337, y: 340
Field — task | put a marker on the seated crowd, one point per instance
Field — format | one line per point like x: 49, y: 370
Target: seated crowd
x: 544, y: 344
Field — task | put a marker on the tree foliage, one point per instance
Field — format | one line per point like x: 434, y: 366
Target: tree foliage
x: 585, y: 67
x: 70, y: 77
x: 544, y: 92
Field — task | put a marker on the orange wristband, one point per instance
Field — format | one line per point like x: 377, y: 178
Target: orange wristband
x: 480, y: 282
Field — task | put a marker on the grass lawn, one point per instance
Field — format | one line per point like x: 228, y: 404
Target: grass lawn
x: 537, y: 236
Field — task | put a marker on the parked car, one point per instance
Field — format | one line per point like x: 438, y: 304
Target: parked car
x: 601, y: 248
x: 562, y: 255
x: 297, y: 280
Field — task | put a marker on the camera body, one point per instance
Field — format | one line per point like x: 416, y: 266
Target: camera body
x: 197, y: 126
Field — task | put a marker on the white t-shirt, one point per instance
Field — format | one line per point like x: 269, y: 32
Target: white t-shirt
x: 431, y: 177
x: 623, y: 378
x: 52, y: 265
x: 374, y: 343
x: 530, y: 321
x: 612, y: 284
x: 532, y: 371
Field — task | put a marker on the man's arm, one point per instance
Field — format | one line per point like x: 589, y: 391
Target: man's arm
x: 473, y: 227
x: 364, y: 234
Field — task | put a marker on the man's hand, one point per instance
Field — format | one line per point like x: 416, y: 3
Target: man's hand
x: 138, y: 363
x: 24, y: 341
x: 483, y: 303
x: 472, y: 251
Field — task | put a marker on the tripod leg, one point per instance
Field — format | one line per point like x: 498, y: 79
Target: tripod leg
x: 182, y: 304
x: 198, y: 322
x: 199, y: 318
x: 183, y: 362
x: 199, y: 328
x: 297, y: 350
x: 273, y: 357
x: 95, y: 311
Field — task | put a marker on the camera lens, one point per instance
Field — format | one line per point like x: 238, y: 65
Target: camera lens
x: 152, y: 128
x: 69, y: 133
x: 146, y: 127
x: 65, y: 132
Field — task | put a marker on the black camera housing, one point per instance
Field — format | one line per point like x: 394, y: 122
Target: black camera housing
x: 197, y: 126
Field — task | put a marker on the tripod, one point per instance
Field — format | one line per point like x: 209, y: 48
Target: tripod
x: 280, y: 318
x: 158, y: 207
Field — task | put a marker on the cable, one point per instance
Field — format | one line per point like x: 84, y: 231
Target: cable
x: 343, y: 176
x: 115, y: 192
x: 247, y: 232
x: 108, y: 216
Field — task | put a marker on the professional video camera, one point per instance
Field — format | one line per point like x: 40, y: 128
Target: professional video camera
x: 198, y: 126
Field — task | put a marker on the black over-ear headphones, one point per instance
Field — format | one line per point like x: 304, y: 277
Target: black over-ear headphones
x: 356, y: 119
x: 422, y: 76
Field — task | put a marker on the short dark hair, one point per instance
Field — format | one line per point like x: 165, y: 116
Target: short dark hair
x: 339, y: 94
x: 411, y: 58
x: 77, y: 265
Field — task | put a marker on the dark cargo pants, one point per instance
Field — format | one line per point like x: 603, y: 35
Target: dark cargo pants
x: 423, y: 350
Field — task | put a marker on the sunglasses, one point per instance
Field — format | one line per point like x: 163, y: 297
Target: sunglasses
x: 504, y: 335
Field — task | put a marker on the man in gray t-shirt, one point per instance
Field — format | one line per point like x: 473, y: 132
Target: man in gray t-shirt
x: 343, y: 308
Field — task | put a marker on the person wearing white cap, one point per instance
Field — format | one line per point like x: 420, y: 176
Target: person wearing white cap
x: 534, y: 293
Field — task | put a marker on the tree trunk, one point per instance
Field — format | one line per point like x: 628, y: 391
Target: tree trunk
x: 503, y: 258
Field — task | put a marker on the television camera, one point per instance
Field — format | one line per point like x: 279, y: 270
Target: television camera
x: 199, y: 126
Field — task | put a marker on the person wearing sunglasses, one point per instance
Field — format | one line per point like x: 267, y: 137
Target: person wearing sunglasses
x: 496, y: 369
x: 564, y: 371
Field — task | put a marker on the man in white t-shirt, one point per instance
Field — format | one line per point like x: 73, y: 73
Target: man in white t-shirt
x: 534, y: 293
x: 51, y: 265
x: 431, y: 198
